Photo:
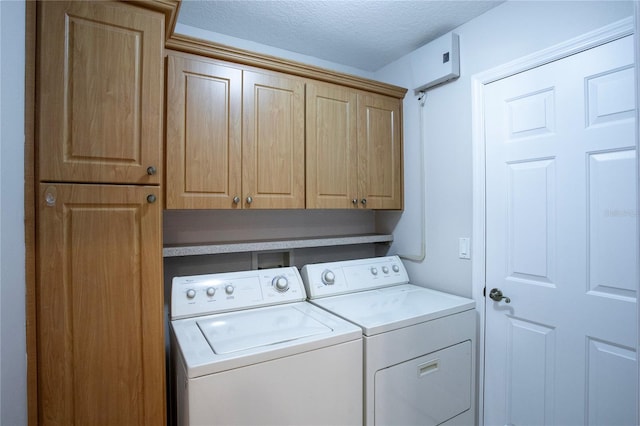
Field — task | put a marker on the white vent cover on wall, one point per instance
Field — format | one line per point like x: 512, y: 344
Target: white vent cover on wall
x: 436, y: 62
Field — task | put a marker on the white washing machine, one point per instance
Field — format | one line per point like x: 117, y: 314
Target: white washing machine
x: 419, y: 350
x: 249, y: 350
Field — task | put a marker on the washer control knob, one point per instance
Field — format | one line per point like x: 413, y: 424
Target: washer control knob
x: 211, y: 291
x: 385, y: 269
x: 280, y: 283
x: 229, y: 289
x: 328, y: 277
x: 374, y: 271
x: 191, y: 293
x: 395, y: 268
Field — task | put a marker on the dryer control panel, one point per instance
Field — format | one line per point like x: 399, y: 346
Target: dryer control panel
x: 348, y: 276
x: 197, y: 295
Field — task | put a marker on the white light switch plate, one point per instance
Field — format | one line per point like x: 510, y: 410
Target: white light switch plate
x: 464, y: 248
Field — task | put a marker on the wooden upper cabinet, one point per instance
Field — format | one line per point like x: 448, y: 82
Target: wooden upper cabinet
x: 235, y: 138
x: 380, y: 152
x: 204, y: 134
x: 354, y: 149
x: 100, y: 305
x: 332, y: 156
x: 100, y: 82
x: 273, y: 142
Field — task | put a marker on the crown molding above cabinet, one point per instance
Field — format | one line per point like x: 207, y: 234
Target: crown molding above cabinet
x: 213, y: 50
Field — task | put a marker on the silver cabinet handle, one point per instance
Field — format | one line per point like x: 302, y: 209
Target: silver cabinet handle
x: 151, y: 198
x: 236, y: 199
x: 496, y: 294
x: 354, y: 201
x: 249, y: 200
x: 364, y: 201
x: 151, y: 170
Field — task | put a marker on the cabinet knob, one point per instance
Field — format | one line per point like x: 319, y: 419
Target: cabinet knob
x: 50, y: 196
x: 236, y: 199
x: 151, y: 170
x: 354, y: 201
x: 364, y: 201
x: 151, y: 198
x: 249, y: 200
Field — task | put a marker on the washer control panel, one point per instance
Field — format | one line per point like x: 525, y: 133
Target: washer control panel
x: 348, y: 276
x: 198, y: 295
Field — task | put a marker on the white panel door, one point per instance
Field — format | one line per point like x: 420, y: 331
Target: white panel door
x: 561, y: 242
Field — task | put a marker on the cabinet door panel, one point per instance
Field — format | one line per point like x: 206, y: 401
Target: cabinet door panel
x: 331, y: 151
x: 100, y: 79
x: 380, y: 151
x: 273, y: 141
x: 203, y: 134
x: 100, y: 306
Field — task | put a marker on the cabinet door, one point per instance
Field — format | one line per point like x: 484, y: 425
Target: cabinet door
x: 379, y: 151
x: 100, y: 306
x: 273, y: 141
x: 204, y: 153
x: 331, y: 151
x: 100, y: 82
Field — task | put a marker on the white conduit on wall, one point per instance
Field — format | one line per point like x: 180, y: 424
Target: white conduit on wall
x: 423, y: 225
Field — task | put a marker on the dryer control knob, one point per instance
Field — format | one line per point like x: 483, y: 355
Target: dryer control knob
x: 395, y: 268
x: 280, y: 283
x: 229, y: 289
x: 385, y: 270
x: 211, y: 291
x: 328, y: 277
x: 191, y: 293
x: 374, y: 271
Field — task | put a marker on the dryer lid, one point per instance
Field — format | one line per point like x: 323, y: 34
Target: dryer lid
x: 239, y: 331
x: 391, y: 308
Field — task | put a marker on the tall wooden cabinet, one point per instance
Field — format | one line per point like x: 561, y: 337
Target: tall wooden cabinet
x: 99, y: 288
x: 235, y: 137
x: 354, y: 149
x: 100, y: 305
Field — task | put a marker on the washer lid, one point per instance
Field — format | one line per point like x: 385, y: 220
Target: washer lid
x: 390, y: 308
x: 264, y: 334
x: 235, y: 332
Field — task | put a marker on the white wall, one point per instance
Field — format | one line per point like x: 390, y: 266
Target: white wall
x: 13, y: 384
x: 510, y: 31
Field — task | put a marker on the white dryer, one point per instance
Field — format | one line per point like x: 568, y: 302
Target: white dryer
x: 250, y: 351
x: 419, y: 350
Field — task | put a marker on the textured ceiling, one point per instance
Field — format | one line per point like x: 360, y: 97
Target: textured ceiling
x: 362, y: 34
